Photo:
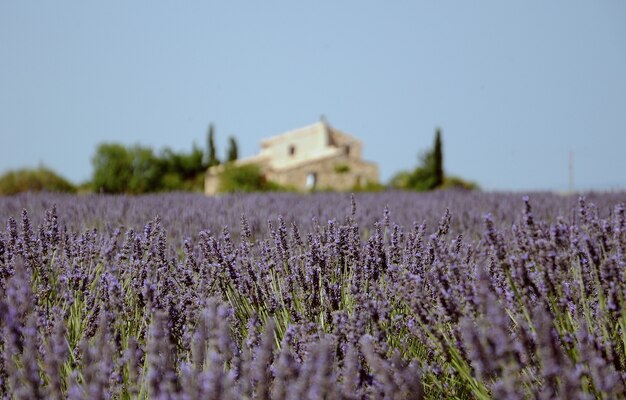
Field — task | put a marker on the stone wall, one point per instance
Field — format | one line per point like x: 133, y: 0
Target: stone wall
x: 211, y: 184
x: 336, y: 173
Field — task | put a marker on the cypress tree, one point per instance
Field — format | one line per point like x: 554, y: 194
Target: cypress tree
x: 233, y: 152
x: 212, y: 153
x: 437, y: 160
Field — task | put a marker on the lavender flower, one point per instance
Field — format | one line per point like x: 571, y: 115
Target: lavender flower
x: 95, y: 302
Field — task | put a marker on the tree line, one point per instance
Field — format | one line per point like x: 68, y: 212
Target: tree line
x: 138, y: 169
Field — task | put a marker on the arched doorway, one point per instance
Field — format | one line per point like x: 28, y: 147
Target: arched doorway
x: 311, y: 180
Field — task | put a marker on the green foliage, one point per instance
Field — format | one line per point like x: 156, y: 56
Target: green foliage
x: 369, y: 186
x: 112, y: 168
x: 454, y: 182
x: 420, y: 179
x: 233, y: 152
x: 171, y: 181
x: 33, y: 180
x: 212, y: 159
x: 400, y: 180
x: 146, y: 170
x: 342, y: 168
x: 429, y: 174
x: 84, y: 187
x: 423, y: 179
x: 245, y: 178
x: 195, y: 184
x: 438, y: 175
x: 187, y: 166
x: 137, y: 169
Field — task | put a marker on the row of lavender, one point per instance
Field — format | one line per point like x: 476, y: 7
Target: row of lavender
x: 185, y: 215
x: 326, y: 296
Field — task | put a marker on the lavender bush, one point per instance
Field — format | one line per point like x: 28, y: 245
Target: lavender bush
x: 282, y: 296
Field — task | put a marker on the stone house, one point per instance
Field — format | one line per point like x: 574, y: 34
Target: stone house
x: 314, y: 157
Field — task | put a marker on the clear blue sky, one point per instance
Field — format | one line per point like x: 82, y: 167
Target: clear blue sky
x: 515, y: 86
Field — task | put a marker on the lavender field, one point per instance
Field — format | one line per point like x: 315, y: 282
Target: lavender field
x: 329, y: 296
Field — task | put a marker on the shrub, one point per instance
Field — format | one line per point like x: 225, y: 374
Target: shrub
x: 246, y: 178
x: 455, y: 182
x: 369, y: 186
x: 34, y: 180
x: 342, y: 168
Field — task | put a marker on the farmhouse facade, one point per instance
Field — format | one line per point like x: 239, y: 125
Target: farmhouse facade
x: 314, y: 157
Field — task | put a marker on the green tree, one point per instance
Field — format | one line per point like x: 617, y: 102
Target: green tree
x: 438, y: 175
x: 187, y: 165
x: 212, y: 153
x: 183, y: 171
x: 147, y: 170
x: 428, y: 175
x: 421, y: 179
x: 192, y: 162
x: 112, y: 168
x: 137, y: 169
x: 232, y: 153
